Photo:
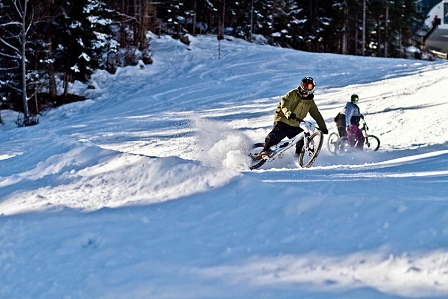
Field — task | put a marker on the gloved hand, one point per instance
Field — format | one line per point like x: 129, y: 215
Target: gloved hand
x: 349, y: 128
x: 325, y: 131
x: 292, y: 116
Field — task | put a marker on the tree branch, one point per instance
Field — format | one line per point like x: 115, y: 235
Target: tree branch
x: 9, y: 56
x: 9, y: 45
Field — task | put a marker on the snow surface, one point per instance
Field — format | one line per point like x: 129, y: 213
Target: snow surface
x: 143, y: 191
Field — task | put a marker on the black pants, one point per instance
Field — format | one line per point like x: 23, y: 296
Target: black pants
x: 280, y: 131
x: 341, y: 131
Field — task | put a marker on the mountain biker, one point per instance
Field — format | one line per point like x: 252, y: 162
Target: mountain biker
x: 352, y: 117
x: 292, y: 109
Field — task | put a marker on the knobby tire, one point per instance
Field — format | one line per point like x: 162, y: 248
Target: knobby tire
x: 315, y: 147
x: 332, y: 141
x: 372, y: 143
x: 342, y: 146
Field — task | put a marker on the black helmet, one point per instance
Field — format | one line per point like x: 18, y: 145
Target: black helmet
x: 307, y: 85
x: 354, y: 98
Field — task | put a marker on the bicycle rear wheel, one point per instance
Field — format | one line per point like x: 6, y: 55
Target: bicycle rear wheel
x: 343, y: 146
x: 308, y: 156
x: 332, y: 140
x: 256, y: 149
x: 372, y: 143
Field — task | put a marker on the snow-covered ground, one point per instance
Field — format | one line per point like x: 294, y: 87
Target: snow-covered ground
x: 143, y: 190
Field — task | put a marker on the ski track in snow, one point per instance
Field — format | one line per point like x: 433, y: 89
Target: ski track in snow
x: 143, y: 191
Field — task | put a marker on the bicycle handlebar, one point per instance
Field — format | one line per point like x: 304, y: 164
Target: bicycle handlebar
x: 364, y: 124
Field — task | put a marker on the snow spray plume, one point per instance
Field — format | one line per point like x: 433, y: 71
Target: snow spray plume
x: 219, y: 145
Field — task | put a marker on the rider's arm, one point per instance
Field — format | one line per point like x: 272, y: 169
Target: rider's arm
x: 317, y: 116
x: 285, y: 103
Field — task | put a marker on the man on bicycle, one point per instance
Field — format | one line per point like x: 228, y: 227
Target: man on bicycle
x: 352, y: 117
x: 294, y: 107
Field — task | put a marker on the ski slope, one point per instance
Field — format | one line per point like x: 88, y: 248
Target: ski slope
x: 143, y: 191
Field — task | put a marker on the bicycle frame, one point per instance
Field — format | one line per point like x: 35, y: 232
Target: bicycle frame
x: 364, y: 128
x: 278, y: 149
x: 312, y: 144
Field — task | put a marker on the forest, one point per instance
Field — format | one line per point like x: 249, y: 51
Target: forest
x: 46, y: 44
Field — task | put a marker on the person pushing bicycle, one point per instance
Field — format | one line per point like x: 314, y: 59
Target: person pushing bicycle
x: 352, y: 118
x: 292, y: 109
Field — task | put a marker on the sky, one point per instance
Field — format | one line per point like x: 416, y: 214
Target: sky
x: 144, y: 189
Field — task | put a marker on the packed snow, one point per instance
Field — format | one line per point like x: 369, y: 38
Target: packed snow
x: 143, y: 190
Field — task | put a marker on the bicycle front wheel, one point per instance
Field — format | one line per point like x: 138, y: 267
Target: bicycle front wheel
x: 309, y: 155
x: 332, y: 140
x: 372, y: 143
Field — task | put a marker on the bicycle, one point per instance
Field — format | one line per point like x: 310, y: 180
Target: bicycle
x: 340, y: 145
x: 313, y: 140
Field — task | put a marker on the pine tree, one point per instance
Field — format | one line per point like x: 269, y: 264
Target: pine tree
x: 83, y: 37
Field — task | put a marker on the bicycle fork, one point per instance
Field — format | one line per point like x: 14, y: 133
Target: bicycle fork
x: 306, y: 140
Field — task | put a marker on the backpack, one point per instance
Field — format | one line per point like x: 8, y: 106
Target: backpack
x: 340, y: 120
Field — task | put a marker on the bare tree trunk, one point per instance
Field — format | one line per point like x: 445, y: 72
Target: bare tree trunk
x: 386, y: 38
x: 274, y: 6
x: 22, y: 20
x: 67, y: 72
x: 143, y: 24
x: 224, y: 18
x: 66, y: 82
x: 313, y: 6
x: 51, y: 73
x: 356, y: 32
x: 23, y: 60
x: 378, y: 36
x: 195, y: 8
x: 124, y: 10
x: 136, y: 25
x: 363, y: 27
x: 344, y: 34
x: 251, y: 20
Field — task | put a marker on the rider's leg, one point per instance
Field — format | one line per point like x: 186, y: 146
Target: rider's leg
x: 276, y: 135
x: 351, y: 134
x: 341, y: 131
x: 280, y: 131
x: 299, y: 144
x: 360, y: 138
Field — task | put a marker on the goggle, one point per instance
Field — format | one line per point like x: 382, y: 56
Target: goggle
x: 355, y: 99
x: 307, y: 86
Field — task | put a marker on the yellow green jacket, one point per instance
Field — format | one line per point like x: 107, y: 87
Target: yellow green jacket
x: 292, y: 102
